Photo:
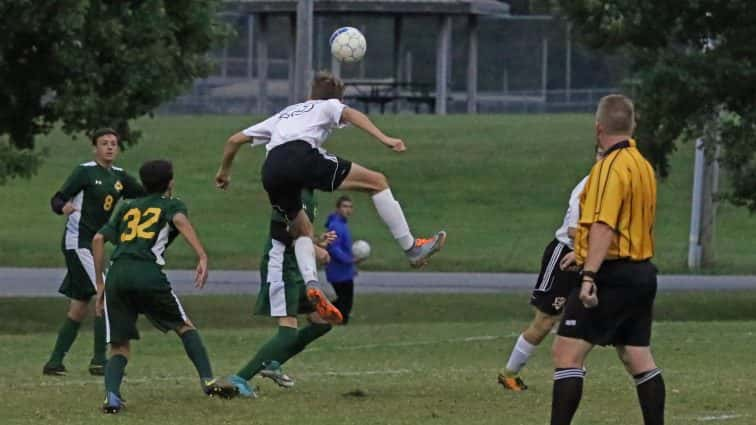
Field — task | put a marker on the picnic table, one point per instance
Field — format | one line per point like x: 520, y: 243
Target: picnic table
x: 384, y: 91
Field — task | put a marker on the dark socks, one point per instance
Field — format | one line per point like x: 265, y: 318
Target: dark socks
x: 277, y: 348
x: 568, y: 389
x: 114, y: 373
x: 66, y: 336
x: 197, y: 353
x: 651, y: 395
x: 305, y: 336
x: 98, y: 356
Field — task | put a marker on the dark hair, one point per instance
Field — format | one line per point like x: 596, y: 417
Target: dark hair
x: 326, y: 86
x: 156, y: 175
x: 103, y: 132
x: 342, y: 199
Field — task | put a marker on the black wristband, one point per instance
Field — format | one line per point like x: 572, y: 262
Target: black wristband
x: 588, y: 273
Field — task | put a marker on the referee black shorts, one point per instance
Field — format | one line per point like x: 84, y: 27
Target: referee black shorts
x: 554, y: 284
x: 296, y: 165
x: 626, y: 293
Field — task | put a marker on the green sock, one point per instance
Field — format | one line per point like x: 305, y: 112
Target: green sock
x: 277, y: 348
x: 197, y: 353
x: 114, y: 373
x: 307, y: 335
x: 66, y: 336
x: 99, y: 341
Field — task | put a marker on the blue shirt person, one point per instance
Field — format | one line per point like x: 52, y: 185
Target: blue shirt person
x: 342, y: 268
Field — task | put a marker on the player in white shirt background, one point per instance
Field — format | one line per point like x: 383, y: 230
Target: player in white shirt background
x: 550, y: 293
x: 295, y: 160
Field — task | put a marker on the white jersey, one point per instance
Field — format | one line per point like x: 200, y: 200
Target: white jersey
x: 310, y: 121
x: 572, y: 215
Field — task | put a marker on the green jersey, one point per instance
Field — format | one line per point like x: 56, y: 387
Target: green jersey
x: 94, y: 191
x: 143, y: 228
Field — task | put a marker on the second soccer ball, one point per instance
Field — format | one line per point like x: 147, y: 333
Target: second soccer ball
x: 348, y: 44
x: 360, y: 250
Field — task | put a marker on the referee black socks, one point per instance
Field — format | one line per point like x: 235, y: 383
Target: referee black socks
x: 568, y: 390
x: 651, y: 396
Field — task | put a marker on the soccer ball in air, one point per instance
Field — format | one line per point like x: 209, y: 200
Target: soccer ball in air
x: 348, y: 44
x: 360, y: 250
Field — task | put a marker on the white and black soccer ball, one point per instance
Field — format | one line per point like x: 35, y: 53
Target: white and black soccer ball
x: 360, y: 250
x: 348, y: 44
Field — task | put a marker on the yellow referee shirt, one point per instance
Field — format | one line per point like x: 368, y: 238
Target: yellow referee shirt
x: 620, y: 192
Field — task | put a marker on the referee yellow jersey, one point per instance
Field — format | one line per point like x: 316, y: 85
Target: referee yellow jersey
x: 620, y: 192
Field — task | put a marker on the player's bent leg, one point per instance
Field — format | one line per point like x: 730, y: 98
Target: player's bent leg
x: 277, y: 348
x: 272, y: 368
x: 77, y: 311
x: 649, y: 383
x: 114, y: 371
x: 531, y: 337
x: 419, y: 250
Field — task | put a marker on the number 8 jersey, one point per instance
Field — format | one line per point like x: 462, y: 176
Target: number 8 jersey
x: 94, y: 191
x: 143, y: 228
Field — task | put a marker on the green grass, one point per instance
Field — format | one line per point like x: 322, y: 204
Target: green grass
x: 417, y: 359
x: 498, y: 183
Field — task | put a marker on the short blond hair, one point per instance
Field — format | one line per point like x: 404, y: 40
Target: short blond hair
x: 616, y: 115
x: 326, y: 86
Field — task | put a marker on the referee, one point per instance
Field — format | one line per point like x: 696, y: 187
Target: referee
x: 613, y: 245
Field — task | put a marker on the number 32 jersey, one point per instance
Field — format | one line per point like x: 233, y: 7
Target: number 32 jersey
x: 94, y: 191
x: 143, y: 228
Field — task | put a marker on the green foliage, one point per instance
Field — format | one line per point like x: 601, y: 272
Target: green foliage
x: 694, y: 64
x: 92, y: 63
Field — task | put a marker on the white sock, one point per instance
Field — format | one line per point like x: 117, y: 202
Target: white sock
x: 304, y: 250
x: 391, y: 213
x: 520, y: 355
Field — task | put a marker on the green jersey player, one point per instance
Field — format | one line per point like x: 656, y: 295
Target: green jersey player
x: 87, y: 198
x: 283, y: 296
x: 142, y: 229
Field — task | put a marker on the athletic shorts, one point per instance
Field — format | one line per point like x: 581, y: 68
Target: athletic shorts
x: 282, y: 289
x: 626, y: 293
x: 554, y: 284
x: 79, y: 283
x: 296, y: 165
x: 135, y: 287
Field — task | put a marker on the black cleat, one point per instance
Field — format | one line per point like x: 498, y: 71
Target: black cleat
x: 54, y: 369
x: 219, y: 387
x: 112, y: 404
x: 96, y: 369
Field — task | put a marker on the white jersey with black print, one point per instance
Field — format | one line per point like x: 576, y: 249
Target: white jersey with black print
x: 310, y: 121
x: 572, y: 215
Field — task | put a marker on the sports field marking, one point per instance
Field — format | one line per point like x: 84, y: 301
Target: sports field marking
x: 725, y: 417
x: 415, y: 343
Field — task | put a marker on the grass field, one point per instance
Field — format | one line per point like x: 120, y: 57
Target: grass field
x: 497, y: 183
x: 405, y: 359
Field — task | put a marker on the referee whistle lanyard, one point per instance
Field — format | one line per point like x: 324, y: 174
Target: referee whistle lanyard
x: 617, y: 146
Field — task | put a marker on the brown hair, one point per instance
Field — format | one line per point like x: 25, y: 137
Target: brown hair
x: 326, y: 86
x: 103, y: 132
x: 342, y: 199
x: 616, y: 115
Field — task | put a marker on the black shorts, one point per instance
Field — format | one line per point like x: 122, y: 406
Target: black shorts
x: 554, y: 284
x: 296, y: 165
x: 626, y: 293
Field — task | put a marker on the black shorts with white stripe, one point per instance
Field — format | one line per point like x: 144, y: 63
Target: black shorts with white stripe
x: 554, y: 284
x: 296, y: 165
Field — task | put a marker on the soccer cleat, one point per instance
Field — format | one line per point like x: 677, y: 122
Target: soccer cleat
x: 54, y: 369
x: 219, y: 387
x: 323, y: 307
x: 243, y: 387
x: 96, y: 369
x: 325, y: 287
x: 419, y: 254
x: 274, y: 372
x: 112, y: 404
x: 513, y: 383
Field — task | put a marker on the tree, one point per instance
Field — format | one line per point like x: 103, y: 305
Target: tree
x: 92, y: 63
x: 694, y: 70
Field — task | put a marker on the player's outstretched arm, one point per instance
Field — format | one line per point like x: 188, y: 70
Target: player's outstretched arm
x: 358, y: 119
x: 98, y: 253
x: 184, y: 226
x: 223, y: 177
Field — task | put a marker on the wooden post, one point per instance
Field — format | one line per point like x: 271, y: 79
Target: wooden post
x: 709, y: 207
x: 303, y: 64
x: 544, y: 67
x: 472, y: 64
x: 262, y: 64
x: 398, y: 53
x: 292, y: 58
x: 568, y: 64
x: 250, y: 45
x: 442, y: 64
